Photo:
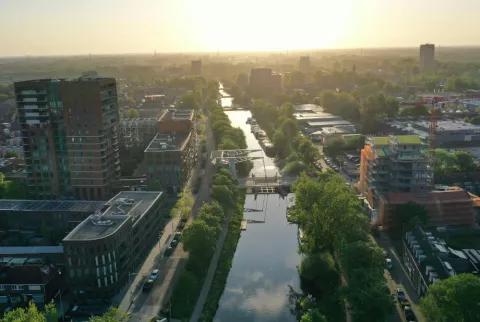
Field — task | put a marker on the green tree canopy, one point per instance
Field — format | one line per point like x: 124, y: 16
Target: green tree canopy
x: 212, y: 208
x: 318, y: 271
x: 132, y: 113
x: 453, y: 299
x: 313, y: 315
x: 412, y: 214
x: 188, y: 101
x: 12, y: 154
x: 200, y: 238
x: 30, y: 314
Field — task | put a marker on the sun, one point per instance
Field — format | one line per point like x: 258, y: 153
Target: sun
x: 270, y: 24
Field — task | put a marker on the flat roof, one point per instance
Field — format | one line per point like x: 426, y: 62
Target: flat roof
x: 30, y: 250
x: 332, y: 130
x: 449, y: 125
x: 379, y: 140
x: 408, y: 139
x: 177, y: 115
x: 168, y: 142
x: 48, y: 205
x: 126, y: 205
x: 328, y: 123
x: 305, y: 116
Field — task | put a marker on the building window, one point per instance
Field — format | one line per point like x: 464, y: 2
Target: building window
x: 17, y: 287
x: 2, y: 287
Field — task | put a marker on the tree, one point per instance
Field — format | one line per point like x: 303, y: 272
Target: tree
x: 319, y: 272
x: 227, y: 144
x: 12, y: 154
x: 184, y: 204
x: 188, y: 102
x: 31, y: 314
x: 465, y: 161
x: 336, y: 146
x: 313, y: 315
x: 212, y: 208
x: 223, y: 195
x: 210, y: 220
x: 112, y: 315
x: 155, y: 185
x: 453, y: 299
x: 199, y: 238
x: 411, y: 214
x: 132, y: 113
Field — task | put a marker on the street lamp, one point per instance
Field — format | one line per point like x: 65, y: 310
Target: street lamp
x: 130, y: 282
x: 59, y: 293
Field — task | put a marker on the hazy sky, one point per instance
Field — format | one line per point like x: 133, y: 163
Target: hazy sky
x: 59, y: 27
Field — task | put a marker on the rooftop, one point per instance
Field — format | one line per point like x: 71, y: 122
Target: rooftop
x: 168, y: 142
x: 379, y: 140
x: 309, y: 115
x: 448, y: 125
x: 30, y: 250
x: 46, y: 205
x: 408, y: 139
x: 333, y: 130
x: 177, y: 115
x: 126, y: 205
x: 139, y: 121
x: 328, y: 123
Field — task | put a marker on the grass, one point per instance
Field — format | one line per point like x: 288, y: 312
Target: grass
x: 225, y: 261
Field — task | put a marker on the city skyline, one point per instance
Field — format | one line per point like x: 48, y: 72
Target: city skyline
x: 118, y: 27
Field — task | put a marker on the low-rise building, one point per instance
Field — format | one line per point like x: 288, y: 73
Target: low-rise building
x: 429, y: 260
x: 136, y: 132
x: 170, y: 158
x: 29, y: 279
x: 102, y: 250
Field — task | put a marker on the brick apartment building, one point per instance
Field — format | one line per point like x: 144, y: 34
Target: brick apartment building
x: 69, y: 130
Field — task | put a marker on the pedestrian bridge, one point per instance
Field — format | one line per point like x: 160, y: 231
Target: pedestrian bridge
x: 265, y: 182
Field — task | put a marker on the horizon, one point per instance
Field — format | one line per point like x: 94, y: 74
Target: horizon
x: 190, y: 26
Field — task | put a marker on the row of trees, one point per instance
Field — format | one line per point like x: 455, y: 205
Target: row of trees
x: 298, y: 152
x: 32, y: 314
x: 457, y: 161
x: 336, y: 229
x: 199, y: 238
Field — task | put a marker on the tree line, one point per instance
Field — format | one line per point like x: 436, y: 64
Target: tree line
x: 335, y: 242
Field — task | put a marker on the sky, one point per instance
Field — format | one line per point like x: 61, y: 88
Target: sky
x: 67, y: 27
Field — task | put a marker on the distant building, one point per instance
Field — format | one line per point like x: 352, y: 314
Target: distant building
x: 136, y: 132
x: 155, y: 101
x: 262, y: 82
x: 69, y: 129
x: 175, y: 120
x: 427, y: 57
x: 304, y: 64
x: 102, y: 250
x: 196, y: 67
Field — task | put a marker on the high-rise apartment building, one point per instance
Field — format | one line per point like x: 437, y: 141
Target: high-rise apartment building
x: 69, y: 130
x: 304, y: 64
x: 427, y: 57
x: 196, y: 67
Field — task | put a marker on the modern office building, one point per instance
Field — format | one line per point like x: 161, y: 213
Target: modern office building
x: 427, y: 57
x: 136, y: 132
x: 196, y: 67
x: 102, y: 250
x: 304, y: 64
x: 69, y: 129
x: 170, y: 158
x: 58, y: 217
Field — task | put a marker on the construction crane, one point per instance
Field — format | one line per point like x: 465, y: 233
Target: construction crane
x: 432, y: 137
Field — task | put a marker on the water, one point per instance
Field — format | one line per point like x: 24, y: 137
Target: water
x: 266, y: 259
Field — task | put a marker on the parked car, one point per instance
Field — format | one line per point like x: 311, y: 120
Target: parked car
x: 177, y: 236
x: 401, y: 295
x: 154, y: 275
x: 169, y: 251
x: 389, y: 263
x: 409, y: 315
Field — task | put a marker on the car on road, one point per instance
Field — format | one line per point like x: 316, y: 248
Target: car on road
x: 174, y: 243
x: 177, y: 236
x: 169, y: 251
x: 154, y: 275
x: 409, y: 315
x: 401, y: 295
x: 389, y: 263
x: 148, y: 285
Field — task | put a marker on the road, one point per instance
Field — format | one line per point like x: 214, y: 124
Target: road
x: 146, y: 305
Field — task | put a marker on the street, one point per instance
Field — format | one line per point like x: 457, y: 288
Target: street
x: 144, y: 306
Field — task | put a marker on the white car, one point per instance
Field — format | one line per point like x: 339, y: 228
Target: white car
x: 154, y: 275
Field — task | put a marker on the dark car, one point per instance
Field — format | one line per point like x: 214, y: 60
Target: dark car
x: 409, y: 313
x: 177, y: 236
x: 169, y: 251
x: 148, y: 285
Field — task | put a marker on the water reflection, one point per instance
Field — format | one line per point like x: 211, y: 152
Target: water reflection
x: 265, y: 261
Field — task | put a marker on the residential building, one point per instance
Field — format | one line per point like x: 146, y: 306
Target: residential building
x: 29, y: 279
x: 136, y: 132
x: 394, y: 170
x: 170, y: 158
x: 56, y: 217
x: 196, y: 67
x: 395, y: 164
x: 427, y: 57
x: 154, y: 101
x: 178, y: 121
x: 102, y: 250
x: 428, y: 260
x: 69, y: 129
x: 304, y: 64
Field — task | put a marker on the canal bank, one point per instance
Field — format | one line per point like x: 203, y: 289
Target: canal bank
x: 266, y: 258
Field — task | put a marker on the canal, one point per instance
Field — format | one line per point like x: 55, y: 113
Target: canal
x: 266, y: 259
